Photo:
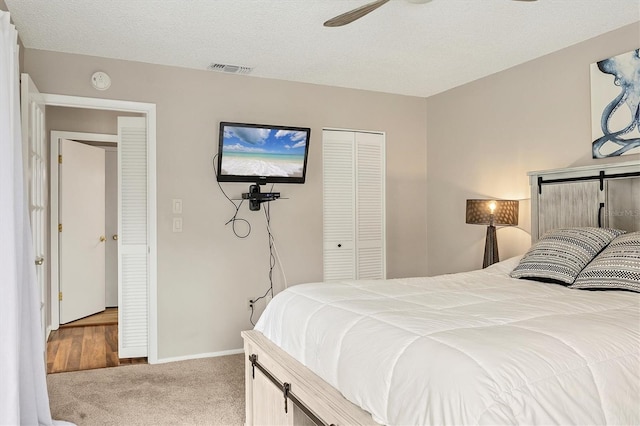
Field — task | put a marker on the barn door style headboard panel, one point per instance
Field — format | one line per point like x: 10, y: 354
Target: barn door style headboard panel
x: 606, y: 195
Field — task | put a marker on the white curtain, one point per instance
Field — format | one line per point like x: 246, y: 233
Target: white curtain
x: 23, y: 388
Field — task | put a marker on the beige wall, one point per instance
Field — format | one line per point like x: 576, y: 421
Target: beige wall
x: 485, y: 136
x: 83, y: 120
x: 205, y: 274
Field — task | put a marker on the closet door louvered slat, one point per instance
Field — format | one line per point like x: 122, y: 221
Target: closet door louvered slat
x: 133, y: 238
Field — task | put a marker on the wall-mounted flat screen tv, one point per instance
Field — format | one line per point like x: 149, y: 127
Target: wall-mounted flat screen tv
x: 262, y: 153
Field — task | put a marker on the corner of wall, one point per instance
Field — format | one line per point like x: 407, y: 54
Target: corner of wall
x: 483, y: 138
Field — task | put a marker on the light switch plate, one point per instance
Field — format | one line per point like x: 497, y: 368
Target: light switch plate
x: 177, y: 206
x: 177, y: 224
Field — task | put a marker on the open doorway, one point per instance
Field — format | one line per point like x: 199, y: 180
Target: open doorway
x: 137, y: 147
x: 136, y: 134
x: 88, y: 243
x: 87, y: 209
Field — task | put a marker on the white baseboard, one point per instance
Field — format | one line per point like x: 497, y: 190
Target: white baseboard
x: 197, y: 356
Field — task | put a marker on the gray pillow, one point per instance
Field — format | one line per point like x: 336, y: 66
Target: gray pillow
x: 561, y: 254
x: 617, y: 267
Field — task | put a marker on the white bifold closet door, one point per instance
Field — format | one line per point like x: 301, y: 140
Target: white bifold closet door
x: 133, y: 248
x: 353, y: 205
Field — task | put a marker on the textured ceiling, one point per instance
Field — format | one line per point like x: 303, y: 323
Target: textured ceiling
x: 402, y: 47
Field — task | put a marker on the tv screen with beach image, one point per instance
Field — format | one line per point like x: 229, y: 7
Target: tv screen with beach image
x: 263, y: 151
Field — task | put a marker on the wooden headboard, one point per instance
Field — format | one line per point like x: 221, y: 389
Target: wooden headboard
x: 605, y: 195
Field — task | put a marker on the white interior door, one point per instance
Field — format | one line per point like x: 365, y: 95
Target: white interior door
x: 34, y: 157
x: 82, y: 232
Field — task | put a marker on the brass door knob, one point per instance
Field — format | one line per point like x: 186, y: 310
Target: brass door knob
x: 39, y: 261
x: 102, y: 238
x: 115, y: 237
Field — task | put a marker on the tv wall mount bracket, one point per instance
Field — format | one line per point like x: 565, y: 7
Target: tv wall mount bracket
x: 256, y: 197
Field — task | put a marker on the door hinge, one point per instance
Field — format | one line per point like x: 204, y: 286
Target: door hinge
x: 60, y: 296
x: 60, y: 159
x: 59, y: 227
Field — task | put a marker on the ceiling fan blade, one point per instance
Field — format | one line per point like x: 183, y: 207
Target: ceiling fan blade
x: 354, y: 14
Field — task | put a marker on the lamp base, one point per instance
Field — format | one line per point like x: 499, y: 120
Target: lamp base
x: 490, y: 247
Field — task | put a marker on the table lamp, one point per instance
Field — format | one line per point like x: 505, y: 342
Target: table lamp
x: 492, y: 213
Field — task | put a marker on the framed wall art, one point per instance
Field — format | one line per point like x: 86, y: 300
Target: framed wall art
x: 615, y: 99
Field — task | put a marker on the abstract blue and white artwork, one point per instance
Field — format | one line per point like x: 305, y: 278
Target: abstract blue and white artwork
x: 615, y: 101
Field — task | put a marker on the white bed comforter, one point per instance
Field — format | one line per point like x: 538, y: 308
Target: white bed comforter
x: 469, y: 348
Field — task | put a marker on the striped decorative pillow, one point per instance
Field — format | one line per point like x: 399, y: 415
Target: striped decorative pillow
x: 561, y: 254
x: 617, y: 267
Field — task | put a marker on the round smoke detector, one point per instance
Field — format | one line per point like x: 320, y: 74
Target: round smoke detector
x: 100, y: 80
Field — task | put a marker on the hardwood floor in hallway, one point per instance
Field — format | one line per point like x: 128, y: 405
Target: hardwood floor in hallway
x: 73, y: 348
x: 107, y: 317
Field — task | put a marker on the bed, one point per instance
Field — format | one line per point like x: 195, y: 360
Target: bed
x: 478, y: 347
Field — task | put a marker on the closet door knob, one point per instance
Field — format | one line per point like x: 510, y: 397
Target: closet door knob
x: 339, y: 245
x: 102, y: 238
x: 115, y: 237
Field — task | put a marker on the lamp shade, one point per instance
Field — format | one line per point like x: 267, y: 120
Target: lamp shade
x: 505, y: 212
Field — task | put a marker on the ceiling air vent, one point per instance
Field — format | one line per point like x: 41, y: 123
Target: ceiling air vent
x: 231, y: 69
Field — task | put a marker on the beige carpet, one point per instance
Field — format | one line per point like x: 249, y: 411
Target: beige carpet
x: 207, y: 391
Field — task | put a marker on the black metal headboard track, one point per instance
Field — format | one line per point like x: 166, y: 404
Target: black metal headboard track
x: 601, y: 177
